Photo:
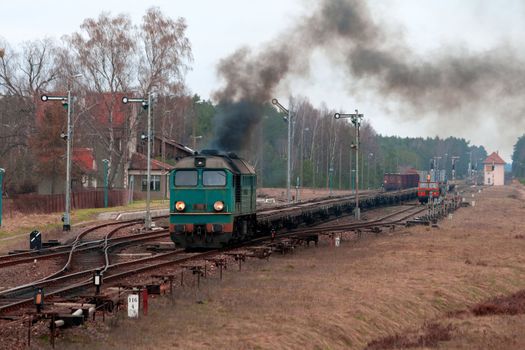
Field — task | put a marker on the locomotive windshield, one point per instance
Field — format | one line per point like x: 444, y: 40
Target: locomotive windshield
x: 427, y: 185
x: 214, y: 178
x: 186, y: 178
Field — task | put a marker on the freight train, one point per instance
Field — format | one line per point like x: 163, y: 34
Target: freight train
x: 395, y: 182
x: 213, y: 203
x: 212, y: 200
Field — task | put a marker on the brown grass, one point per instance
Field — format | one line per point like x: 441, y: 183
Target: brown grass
x: 346, y: 298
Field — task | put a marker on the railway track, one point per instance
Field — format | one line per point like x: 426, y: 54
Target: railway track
x: 332, y: 228
x: 78, y: 244
x: 67, y: 281
x: 46, y: 253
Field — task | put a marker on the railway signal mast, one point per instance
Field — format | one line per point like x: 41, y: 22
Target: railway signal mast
x: 355, y: 118
x: 146, y: 104
x: 66, y: 101
x: 289, y: 163
x: 454, y: 159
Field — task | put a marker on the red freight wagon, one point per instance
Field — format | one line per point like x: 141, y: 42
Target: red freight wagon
x: 394, y: 182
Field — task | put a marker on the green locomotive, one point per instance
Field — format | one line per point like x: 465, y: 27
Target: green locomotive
x: 212, y: 200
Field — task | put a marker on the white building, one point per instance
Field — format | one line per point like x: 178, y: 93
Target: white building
x: 494, y: 170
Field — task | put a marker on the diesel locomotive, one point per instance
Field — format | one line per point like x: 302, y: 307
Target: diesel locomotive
x: 431, y: 188
x: 212, y: 200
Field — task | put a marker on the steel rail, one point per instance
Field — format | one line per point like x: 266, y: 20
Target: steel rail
x: 53, y: 279
x: 89, y: 282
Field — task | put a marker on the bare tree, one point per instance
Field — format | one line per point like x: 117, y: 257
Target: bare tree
x: 117, y: 57
x: 103, y: 50
x: 164, y: 55
x: 165, y: 52
x: 23, y: 75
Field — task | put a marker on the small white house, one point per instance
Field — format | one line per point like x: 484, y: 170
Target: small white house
x: 494, y: 170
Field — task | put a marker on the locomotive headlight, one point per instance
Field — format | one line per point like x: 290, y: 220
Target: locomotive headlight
x: 218, y: 206
x: 180, y: 205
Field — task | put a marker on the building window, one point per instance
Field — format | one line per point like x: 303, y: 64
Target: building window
x: 154, y: 183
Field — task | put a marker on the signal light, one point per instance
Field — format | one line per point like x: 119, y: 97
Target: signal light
x: 38, y: 299
x: 180, y: 206
x: 200, y: 162
x: 218, y: 206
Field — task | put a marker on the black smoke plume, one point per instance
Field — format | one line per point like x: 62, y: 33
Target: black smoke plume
x: 374, y: 59
x: 234, y: 123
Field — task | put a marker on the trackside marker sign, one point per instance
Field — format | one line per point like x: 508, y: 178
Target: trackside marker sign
x: 133, y: 305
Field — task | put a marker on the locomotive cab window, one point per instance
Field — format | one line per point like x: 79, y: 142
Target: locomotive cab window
x: 214, y: 178
x: 186, y: 178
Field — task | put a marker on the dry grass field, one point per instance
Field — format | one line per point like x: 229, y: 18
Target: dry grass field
x: 419, y: 287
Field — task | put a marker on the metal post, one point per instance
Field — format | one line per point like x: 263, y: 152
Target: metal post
x: 330, y: 173
x: 355, y: 120
x: 289, y: 163
x: 350, y: 170
x: 69, y: 136
x: 368, y: 172
x: 67, y: 222
x: 106, y: 181
x: 2, y: 171
x: 145, y: 104
x: 148, y: 195
x: 301, y: 170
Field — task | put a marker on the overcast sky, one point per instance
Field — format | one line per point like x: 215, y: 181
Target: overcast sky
x: 217, y: 28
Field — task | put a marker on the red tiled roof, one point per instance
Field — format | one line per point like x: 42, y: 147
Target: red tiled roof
x: 494, y: 158
x: 140, y: 162
x: 84, y: 158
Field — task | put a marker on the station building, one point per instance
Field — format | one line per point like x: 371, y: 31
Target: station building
x: 494, y: 170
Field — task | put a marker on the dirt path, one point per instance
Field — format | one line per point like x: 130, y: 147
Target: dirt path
x: 325, y: 298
